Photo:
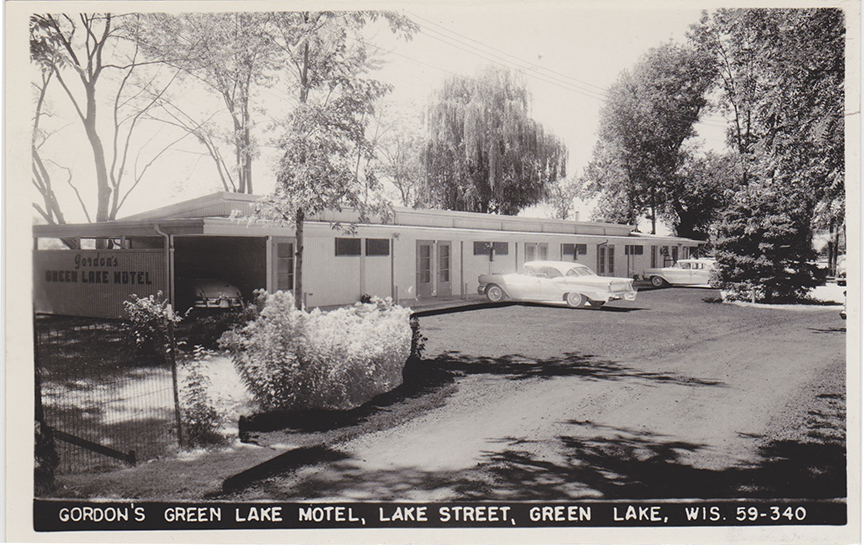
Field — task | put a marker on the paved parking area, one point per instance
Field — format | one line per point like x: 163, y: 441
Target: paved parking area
x: 672, y: 395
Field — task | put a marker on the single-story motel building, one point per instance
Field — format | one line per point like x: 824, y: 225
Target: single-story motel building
x: 415, y: 256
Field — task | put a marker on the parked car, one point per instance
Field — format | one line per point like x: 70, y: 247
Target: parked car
x: 843, y: 310
x: 205, y: 290
x: 556, y: 282
x: 686, y: 272
x: 841, y: 270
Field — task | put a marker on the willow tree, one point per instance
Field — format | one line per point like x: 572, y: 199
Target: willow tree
x: 483, y: 152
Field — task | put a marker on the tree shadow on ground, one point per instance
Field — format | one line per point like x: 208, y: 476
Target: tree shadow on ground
x: 630, y: 464
x: 612, y: 464
x: 424, y: 377
x: 571, y: 364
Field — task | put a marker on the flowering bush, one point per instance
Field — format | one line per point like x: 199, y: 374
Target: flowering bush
x: 149, y: 319
x: 199, y: 415
x: 293, y: 359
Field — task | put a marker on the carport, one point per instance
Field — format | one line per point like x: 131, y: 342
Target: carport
x: 143, y: 258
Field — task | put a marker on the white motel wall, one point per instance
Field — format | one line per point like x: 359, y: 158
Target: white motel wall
x: 417, y: 255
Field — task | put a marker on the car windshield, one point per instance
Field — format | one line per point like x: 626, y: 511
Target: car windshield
x: 580, y: 271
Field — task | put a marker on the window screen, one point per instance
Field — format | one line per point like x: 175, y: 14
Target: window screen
x: 501, y: 248
x: 573, y: 250
x: 347, y: 246
x: 377, y: 246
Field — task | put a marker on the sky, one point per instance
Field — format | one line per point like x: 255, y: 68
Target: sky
x: 568, y: 52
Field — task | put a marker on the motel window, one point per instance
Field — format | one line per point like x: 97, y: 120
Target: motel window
x: 483, y: 248
x: 573, y: 250
x: 347, y: 246
x: 632, y: 249
x: 377, y: 246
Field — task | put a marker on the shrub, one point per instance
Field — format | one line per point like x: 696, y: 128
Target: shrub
x: 205, y: 329
x: 418, y: 340
x: 293, y: 359
x: 200, y: 418
x: 764, y: 248
x: 148, y: 321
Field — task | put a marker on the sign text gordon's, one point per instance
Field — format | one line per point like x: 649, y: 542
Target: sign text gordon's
x: 95, y: 282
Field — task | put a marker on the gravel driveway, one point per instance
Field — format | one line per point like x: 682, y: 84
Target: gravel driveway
x: 669, y: 396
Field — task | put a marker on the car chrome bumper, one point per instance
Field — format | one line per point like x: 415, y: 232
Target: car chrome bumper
x: 616, y: 296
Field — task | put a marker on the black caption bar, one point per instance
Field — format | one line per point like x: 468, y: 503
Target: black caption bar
x: 65, y: 516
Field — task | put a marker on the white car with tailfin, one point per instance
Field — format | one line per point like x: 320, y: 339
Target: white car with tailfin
x: 556, y: 282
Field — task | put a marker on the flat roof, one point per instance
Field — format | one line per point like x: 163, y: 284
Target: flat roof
x: 209, y: 215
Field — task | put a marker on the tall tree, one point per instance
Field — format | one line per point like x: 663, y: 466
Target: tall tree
x: 783, y: 82
x: 398, y: 139
x: 702, y: 189
x: 228, y: 53
x: 649, y: 115
x: 326, y: 152
x: 483, y: 152
x: 91, y: 58
x: 561, y: 195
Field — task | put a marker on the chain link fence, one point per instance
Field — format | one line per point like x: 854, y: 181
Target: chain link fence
x: 107, y: 406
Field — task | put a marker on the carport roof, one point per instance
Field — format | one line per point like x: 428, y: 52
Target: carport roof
x: 188, y: 226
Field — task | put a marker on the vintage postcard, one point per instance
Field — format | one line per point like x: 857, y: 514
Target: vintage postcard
x: 477, y: 271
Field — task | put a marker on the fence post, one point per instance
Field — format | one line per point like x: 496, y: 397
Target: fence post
x: 172, y: 346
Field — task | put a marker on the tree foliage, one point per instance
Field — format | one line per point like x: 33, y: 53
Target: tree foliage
x: 759, y: 248
x: 398, y: 140
x: 702, y: 189
x: 561, y: 194
x: 783, y: 84
x: 483, y: 152
x: 326, y: 155
x: 229, y: 53
x: 648, y: 116
x: 90, y: 57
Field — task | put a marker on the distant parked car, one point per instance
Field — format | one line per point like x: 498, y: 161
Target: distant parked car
x: 841, y: 270
x: 205, y: 290
x: 556, y: 282
x: 686, y: 272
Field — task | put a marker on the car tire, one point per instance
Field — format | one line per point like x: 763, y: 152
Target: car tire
x: 494, y: 293
x: 575, y: 299
x: 658, y: 281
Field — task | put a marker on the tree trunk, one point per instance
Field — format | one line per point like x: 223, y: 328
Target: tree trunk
x: 653, y: 210
x: 299, y: 219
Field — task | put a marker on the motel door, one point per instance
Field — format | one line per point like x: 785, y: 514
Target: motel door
x: 444, y: 272
x: 283, y: 264
x: 606, y: 260
x: 424, y: 268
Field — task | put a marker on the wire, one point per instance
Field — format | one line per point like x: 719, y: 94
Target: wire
x: 602, y: 90
x: 452, y: 42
